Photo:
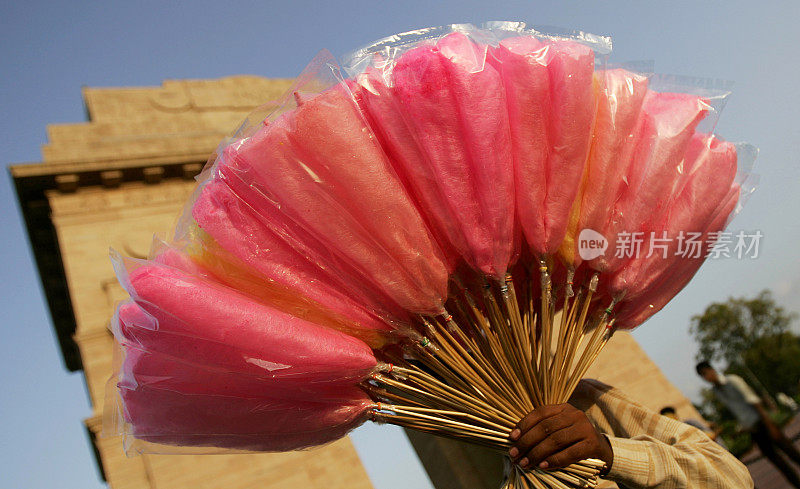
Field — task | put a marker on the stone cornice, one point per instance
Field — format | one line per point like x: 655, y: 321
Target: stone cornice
x: 138, y: 134
x: 41, y: 169
x: 34, y: 182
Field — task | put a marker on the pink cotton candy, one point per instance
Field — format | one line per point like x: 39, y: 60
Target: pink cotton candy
x: 141, y: 368
x: 454, y: 105
x: 522, y: 63
x: 239, y: 230
x: 385, y: 118
x: 211, y: 324
x: 548, y: 174
x: 666, y: 125
x: 571, y: 68
x: 161, y: 360
x: 620, y: 97
x: 675, y: 278
x: 711, y: 167
x: 175, y: 357
x: 202, y: 256
x: 217, y: 380
x: 322, y: 168
x: 259, y: 424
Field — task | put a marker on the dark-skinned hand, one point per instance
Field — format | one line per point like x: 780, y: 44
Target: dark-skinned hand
x: 556, y: 436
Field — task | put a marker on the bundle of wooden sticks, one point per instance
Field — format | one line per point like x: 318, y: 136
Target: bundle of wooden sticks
x: 500, y: 354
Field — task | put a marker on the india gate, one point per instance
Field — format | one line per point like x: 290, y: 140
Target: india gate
x: 123, y: 175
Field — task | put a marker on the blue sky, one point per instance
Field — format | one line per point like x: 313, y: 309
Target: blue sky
x: 49, y: 50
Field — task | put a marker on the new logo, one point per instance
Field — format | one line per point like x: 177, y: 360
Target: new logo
x: 591, y: 244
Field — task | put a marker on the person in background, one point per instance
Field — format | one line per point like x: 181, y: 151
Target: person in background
x: 746, y: 406
x: 712, y: 432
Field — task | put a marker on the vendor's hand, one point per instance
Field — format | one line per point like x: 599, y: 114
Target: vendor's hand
x: 556, y: 436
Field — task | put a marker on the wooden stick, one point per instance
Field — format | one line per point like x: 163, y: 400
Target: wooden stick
x: 446, y: 417
x: 520, y: 340
x: 428, y: 381
x: 546, y: 324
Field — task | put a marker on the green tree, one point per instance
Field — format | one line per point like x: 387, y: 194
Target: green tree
x: 753, y: 337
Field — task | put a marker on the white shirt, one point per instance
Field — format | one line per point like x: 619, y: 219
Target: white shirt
x: 739, y: 398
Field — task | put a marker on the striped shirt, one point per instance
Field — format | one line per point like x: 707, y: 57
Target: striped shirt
x: 653, y: 451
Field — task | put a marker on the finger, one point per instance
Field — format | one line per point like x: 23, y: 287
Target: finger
x: 567, y: 456
x: 538, y: 433
x: 534, y: 417
x: 554, y: 443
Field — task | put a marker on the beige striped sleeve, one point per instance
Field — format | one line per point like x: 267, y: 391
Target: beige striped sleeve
x: 653, y: 451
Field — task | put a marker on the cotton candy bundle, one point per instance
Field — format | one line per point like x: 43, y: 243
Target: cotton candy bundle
x: 404, y: 243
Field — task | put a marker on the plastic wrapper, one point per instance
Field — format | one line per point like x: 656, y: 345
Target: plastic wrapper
x: 383, y: 221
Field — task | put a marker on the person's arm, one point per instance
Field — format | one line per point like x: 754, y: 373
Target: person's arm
x: 647, y: 450
x: 774, y: 430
